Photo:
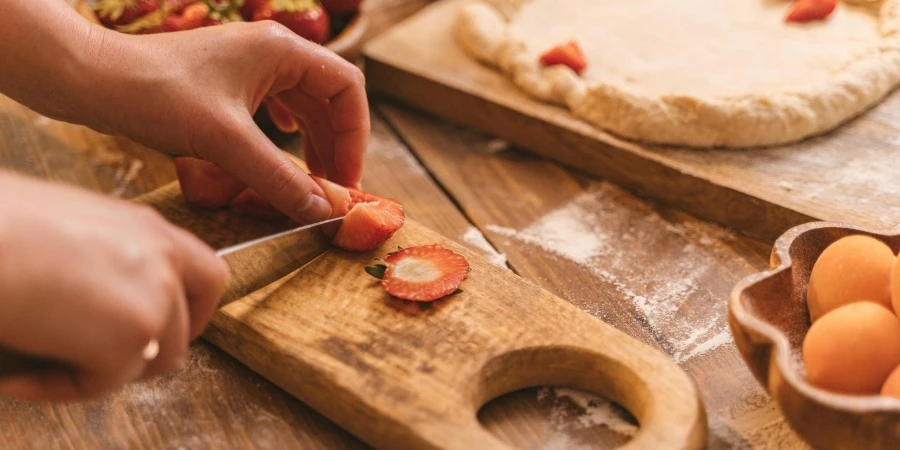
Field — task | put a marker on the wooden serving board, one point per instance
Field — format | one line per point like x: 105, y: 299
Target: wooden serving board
x: 401, y: 375
x: 847, y: 175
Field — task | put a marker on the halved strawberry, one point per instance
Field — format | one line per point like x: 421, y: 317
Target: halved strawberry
x: 368, y: 225
x: 421, y: 274
x: 205, y: 184
x: 368, y: 220
x: 250, y: 203
x: 306, y: 18
x: 809, y: 10
x: 568, y: 54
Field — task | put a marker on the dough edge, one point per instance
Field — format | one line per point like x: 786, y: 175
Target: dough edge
x: 752, y: 120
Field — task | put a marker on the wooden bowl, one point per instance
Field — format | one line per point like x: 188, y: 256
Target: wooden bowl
x: 347, y: 43
x: 769, y: 318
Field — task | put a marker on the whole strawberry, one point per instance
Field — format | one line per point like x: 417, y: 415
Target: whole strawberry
x: 307, y: 18
x: 341, y: 7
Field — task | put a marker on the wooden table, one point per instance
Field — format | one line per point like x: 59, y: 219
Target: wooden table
x: 656, y: 273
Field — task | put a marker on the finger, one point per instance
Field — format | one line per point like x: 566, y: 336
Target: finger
x: 281, y: 117
x: 313, y: 112
x: 173, y: 341
x: 204, y: 276
x: 57, y: 386
x: 310, y: 155
x: 264, y: 167
x: 322, y: 74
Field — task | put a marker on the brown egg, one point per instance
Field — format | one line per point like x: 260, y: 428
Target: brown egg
x: 851, y: 269
x: 852, y: 349
x: 895, y: 285
x: 891, y: 387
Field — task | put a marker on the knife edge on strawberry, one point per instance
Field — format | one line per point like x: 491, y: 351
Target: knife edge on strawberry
x: 368, y: 221
x: 421, y: 274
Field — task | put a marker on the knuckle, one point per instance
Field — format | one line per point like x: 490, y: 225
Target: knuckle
x: 272, y: 32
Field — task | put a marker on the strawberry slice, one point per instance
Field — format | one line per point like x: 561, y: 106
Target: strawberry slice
x: 809, y: 10
x: 250, y: 203
x: 568, y: 54
x: 368, y: 220
x: 421, y: 274
x: 205, y: 184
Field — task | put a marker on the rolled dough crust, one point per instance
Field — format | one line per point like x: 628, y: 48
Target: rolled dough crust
x: 699, y: 73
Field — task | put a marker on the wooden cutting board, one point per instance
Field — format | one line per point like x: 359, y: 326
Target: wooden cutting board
x: 400, y: 375
x: 848, y: 175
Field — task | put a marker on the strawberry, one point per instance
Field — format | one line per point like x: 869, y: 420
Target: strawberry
x: 113, y: 13
x: 368, y: 220
x: 304, y: 17
x: 568, y: 54
x: 808, y: 10
x: 340, y: 7
x: 252, y: 204
x: 249, y: 8
x: 205, y: 184
x: 192, y: 16
x: 421, y: 274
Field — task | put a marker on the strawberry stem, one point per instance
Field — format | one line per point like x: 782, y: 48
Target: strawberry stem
x: 376, y: 270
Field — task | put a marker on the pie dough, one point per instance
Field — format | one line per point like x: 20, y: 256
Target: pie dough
x: 700, y: 73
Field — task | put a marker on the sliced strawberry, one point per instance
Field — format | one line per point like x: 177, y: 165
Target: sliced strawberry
x: 252, y: 204
x: 369, y: 224
x: 205, y: 184
x: 339, y: 7
x: 809, y: 10
x: 306, y: 18
x: 568, y: 54
x: 192, y: 16
x: 421, y: 274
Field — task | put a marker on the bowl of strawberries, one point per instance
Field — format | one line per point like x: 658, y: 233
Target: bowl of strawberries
x: 339, y: 25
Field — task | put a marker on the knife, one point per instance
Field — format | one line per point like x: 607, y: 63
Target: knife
x: 253, y: 265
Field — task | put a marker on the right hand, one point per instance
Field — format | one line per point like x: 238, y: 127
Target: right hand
x: 89, y: 281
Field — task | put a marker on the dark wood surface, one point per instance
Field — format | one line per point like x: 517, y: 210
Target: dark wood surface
x: 653, y: 272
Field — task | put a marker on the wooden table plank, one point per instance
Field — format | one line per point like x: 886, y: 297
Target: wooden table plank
x: 656, y: 273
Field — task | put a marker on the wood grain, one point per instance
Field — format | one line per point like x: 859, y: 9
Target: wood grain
x: 400, y: 375
x: 845, y: 175
x: 657, y: 274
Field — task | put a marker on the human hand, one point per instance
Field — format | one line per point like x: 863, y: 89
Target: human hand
x: 194, y: 93
x: 90, y: 281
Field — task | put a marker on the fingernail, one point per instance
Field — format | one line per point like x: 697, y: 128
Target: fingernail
x: 315, y: 208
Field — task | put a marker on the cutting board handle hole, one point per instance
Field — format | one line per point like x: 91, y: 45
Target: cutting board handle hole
x: 566, y: 367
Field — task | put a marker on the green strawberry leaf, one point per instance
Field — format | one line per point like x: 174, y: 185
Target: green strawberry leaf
x: 376, y: 270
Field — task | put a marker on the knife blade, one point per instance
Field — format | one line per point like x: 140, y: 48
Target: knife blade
x: 253, y: 265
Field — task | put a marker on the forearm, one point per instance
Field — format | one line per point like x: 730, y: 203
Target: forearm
x: 44, y: 48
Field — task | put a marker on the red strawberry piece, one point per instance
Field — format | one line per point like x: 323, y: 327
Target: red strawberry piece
x: 369, y: 224
x: 192, y: 16
x: 252, y: 204
x: 250, y: 7
x: 341, y: 7
x: 809, y: 10
x: 113, y: 13
x: 422, y: 274
x: 568, y: 54
x: 205, y: 184
x: 306, y: 18
x: 368, y: 220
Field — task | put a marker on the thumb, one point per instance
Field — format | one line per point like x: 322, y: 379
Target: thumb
x: 248, y: 153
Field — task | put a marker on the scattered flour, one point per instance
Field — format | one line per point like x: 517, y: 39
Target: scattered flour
x: 42, y: 121
x: 124, y: 177
x: 494, y: 146
x: 474, y: 237
x: 576, y: 410
x: 382, y: 142
x: 673, y: 297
